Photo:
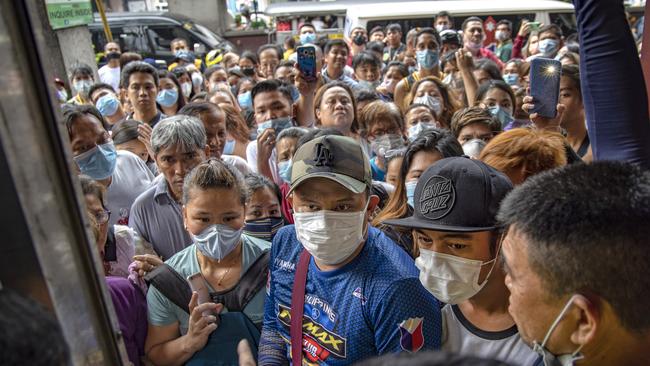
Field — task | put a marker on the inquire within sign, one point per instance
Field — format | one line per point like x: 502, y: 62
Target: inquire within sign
x: 69, y: 13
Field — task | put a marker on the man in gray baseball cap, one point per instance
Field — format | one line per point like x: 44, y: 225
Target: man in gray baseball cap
x: 455, y: 229
x: 354, y: 278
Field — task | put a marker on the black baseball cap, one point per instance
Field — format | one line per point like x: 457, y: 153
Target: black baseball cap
x: 457, y: 194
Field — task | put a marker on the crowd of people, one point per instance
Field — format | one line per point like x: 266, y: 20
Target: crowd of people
x: 403, y: 201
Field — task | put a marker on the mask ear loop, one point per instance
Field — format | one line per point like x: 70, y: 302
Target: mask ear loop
x: 557, y: 321
x: 493, y: 261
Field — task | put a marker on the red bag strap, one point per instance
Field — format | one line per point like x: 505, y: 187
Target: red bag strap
x: 297, y: 307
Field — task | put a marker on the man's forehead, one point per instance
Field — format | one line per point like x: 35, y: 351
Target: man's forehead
x: 141, y: 77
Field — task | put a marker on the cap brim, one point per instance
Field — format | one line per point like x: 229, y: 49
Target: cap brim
x: 414, y: 223
x: 349, y: 183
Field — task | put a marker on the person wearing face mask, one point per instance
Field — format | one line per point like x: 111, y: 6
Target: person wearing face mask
x: 307, y: 33
x: 243, y: 92
x: 499, y: 99
x: 574, y: 301
x: 81, y: 79
x: 170, y: 98
x: 473, y: 37
x: 273, y: 110
x: 213, y: 213
x: 110, y: 73
x: 286, y: 146
x: 263, y: 209
x: 433, y: 93
x: 351, y: 278
x: 503, y: 36
x: 474, y: 127
x: 384, y: 130
x: 106, y: 101
x: 357, y: 41
x: 443, y: 22
x: 367, y: 70
x: 428, y: 147
x: 455, y: 229
x: 122, y: 173
x: 394, y: 72
x: 427, y: 46
x: 185, y: 80
x: 550, y: 41
x: 418, y: 118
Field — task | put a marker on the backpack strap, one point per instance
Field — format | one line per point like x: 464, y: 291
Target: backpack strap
x: 298, y: 307
x: 248, y: 286
x: 171, y: 284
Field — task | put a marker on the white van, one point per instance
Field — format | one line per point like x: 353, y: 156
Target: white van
x: 412, y: 14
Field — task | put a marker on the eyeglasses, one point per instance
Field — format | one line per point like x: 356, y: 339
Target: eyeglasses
x: 103, y: 216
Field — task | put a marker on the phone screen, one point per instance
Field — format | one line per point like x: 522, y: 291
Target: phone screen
x: 545, y: 77
x: 307, y: 62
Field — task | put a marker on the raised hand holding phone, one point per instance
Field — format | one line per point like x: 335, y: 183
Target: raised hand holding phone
x: 545, y: 76
x: 307, y: 62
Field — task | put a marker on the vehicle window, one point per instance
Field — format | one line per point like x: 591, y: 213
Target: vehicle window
x: 566, y: 21
x: 130, y: 39
x: 161, y: 36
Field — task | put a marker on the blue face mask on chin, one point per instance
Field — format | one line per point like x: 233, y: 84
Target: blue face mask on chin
x: 99, y: 162
x: 278, y: 124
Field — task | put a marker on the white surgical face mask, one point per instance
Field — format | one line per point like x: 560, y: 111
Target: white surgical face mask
x: 330, y: 236
x: 187, y: 89
x: 217, y: 241
x: 557, y: 360
x: 433, y: 103
x: 449, y: 278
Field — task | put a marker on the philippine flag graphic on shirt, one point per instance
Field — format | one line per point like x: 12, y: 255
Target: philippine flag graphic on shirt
x: 411, y: 338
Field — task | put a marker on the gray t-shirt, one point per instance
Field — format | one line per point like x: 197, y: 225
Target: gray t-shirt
x: 462, y: 337
x: 130, y: 179
x: 163, y: 312
x: 158, y: 219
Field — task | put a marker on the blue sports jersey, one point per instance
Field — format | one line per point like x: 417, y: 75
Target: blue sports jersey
x: 371, y: 306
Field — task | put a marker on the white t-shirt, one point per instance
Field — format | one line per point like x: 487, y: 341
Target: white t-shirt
x: 237, y: 162
x: 130, y: 179
x: 462, y: 337
x: 110, y: 76
x: 251, y: 156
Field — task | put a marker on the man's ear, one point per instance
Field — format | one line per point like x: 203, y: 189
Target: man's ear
x: 373, y: 201
x: 589, y: 321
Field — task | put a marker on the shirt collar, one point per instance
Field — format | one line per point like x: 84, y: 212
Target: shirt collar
x: 162, y: 191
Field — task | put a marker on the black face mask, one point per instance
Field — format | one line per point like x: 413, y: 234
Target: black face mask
x: 359, y: 40
x: 248, y: 71
x: 113, y: 56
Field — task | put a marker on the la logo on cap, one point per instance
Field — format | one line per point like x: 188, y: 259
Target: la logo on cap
x: 437, y: 197
x: 323, y: 155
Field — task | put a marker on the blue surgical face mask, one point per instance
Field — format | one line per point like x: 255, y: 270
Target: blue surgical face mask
x: 427, y: 59
x: 217, y: 241
x: 264, y: 228
x: 278, y: 124
x: 547, y: 47
x: 228, y: 147
x: 197, y: 79
x: 245, y: 100
x: 99, y: 162
x: 410, y: 192
x: 307, y: 38
x: 284, y: 170
x: 501, y: 114
x: 511, y: 79
x: 167, y: 97
x: 108, y: 104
